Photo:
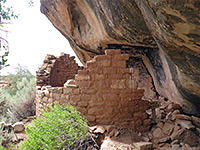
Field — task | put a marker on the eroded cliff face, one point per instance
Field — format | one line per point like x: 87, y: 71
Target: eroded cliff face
x: 165, y: 35
x: 175, y: 26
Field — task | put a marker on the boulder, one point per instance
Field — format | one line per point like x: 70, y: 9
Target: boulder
x: 18, y: 127
x: 177, y: 134
x: 99, y: 129
x: 157, y: 133
x: 163, y: 140
x: 185, y: 123
x: 20, y: 136
x: 176, y: 147
x: 143, y: 146
x: 168, y: 128
x: 181, y: 116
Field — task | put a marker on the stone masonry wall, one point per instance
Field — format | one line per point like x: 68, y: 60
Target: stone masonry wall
x: 57, y: 70
x: 105, y: 93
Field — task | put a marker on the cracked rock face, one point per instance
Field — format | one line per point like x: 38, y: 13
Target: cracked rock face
x: 164, y: 34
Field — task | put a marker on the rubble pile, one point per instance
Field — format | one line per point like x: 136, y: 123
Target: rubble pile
x: 14, y: 133
x: 172, y: 130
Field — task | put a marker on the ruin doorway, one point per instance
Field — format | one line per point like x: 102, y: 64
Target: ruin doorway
x: 141, y: 77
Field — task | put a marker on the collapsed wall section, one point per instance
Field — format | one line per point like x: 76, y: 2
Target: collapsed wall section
x: 105, y: 93
x: 55, y: 71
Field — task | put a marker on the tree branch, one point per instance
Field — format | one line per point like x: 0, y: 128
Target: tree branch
x: 4, y: 30
x: 3, y: 40
x: 6, y: 22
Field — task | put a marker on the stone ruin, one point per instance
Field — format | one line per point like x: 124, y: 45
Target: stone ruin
x: 109, y: 94
x: 57, y: 70
x: 106, y: 90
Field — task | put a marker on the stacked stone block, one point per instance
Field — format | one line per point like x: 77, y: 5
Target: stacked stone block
x: 55, y: 71
x: 103, y: 93
x: 43, y: 74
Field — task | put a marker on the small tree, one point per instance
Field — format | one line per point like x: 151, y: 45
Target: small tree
x: 6, y: 14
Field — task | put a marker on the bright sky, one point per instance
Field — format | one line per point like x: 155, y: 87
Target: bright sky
x: 31, y: 37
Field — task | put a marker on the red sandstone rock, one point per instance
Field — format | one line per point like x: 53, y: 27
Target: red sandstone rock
x: 163, y: 140
x: 143, y: 145
x: 168, y: 128
x: 157, y: 133
x: 177, y: 134
x: 185, y: 123
x: 18, y: 127
x: 181, y: 116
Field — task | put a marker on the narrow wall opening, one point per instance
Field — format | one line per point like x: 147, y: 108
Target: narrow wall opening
x: 142, y: 78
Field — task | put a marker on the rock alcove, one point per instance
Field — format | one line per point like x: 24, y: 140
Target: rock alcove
x: 165, y: 34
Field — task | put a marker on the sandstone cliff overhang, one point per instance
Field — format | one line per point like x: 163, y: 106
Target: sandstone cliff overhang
x: 164, y: 34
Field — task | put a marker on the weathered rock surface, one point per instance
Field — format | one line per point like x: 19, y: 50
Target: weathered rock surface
x: 163, y: 34
x: 175, y: 27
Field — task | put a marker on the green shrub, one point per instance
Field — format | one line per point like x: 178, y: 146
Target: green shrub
x: 1, y: 147
x: 18, y: 101
x: 60, y: 128
x: 15, y: 79
x: 23, y: 104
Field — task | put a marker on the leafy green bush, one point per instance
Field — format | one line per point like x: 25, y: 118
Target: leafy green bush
x: 14, y: 78
x: 60, y: 128
x: 24, y: 101
x: 18, y: 101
